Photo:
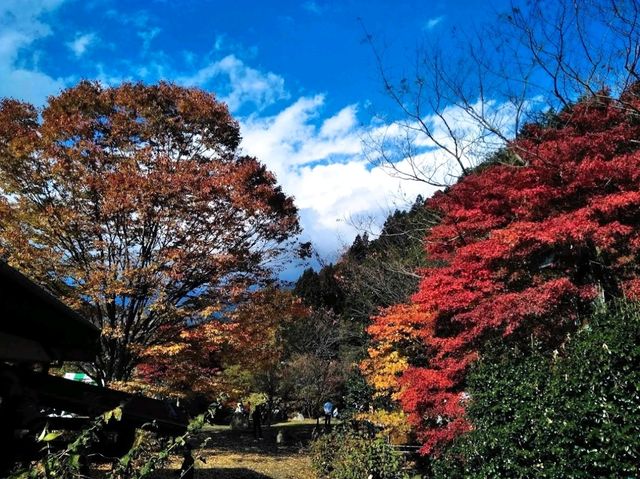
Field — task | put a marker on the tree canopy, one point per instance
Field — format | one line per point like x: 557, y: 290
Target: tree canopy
x: 134, y: 203
x: 523, y: 251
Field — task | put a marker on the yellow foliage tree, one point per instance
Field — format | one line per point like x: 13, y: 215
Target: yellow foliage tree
x: 393, y: 341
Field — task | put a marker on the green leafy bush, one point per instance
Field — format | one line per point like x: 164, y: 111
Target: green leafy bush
x: 349, y: 455
x: 573, y: 413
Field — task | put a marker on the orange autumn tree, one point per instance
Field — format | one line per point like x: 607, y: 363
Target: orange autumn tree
x: 523, y: 249
x: 240, y: 351
x: 397, y: 339
x: 258, y: 338
x: 187, y: 366
x: 135, y: 204
x: 396, y: 342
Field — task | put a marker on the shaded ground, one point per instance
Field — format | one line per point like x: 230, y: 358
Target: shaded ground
x: 231, y: 454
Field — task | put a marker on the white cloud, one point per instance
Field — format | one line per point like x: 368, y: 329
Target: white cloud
x: 81, y: 43
x: 20, y: 27
x: 221, y: 40
x: 147, y: 37
x: 246, y: 84
x: 431, y: 23
x: 457, y: 138
x: 105, y: 76
x: 223, y: 44
x: 341, y: 123
x: 322, y: 166
x: 28, y: 85
x: 290, y: 139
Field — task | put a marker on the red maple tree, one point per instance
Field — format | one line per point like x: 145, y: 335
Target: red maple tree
x: 523, y: 250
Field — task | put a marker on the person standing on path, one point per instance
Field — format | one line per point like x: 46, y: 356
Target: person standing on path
x: 256, y: 417
x: 328, y: 412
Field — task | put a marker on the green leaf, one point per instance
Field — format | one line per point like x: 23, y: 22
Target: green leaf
x: 51, y: 436
x: 74, y: 461
x: 117, y: 413
x: 125, y: 460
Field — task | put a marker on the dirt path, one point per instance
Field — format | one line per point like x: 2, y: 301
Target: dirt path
x: 231, y: 454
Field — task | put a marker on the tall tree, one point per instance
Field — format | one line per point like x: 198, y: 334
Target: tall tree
x: 523, y: 251
x: 259, y: 337
x: 189, y: 365
x: 321, y: 289
x: 134, y: 203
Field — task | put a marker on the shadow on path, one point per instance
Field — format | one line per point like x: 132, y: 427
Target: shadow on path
x: 222, y: 453
x: 217, y: 473
x: 296, y: 437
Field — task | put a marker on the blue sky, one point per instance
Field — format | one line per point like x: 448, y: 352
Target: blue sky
x: 297, y: 75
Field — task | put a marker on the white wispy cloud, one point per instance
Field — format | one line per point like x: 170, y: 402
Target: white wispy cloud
x: 147, y: 36
x: 224, y: 43
x: 20, y: 27
x: 320, y: 160
x: 433, y: 22
x: 321, y: 164
x: 81, y: 43
x: 244, y: 84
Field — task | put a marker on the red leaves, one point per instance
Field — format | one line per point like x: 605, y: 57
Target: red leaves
x: 190, y: 363
x: 526, y: 248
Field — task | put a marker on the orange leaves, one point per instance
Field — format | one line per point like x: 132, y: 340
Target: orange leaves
x: 136, y: 200
x: 382, y: 369
x: 188, y: 364
x: 18, y: 130
x: 257, y: 336
x: 398, y: 323
x: 167, y: 349
x: 248, y: 337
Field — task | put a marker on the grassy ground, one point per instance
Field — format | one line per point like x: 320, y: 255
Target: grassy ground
x: 228, y: 454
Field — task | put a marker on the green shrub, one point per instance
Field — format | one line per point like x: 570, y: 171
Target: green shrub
x: 573, y: 413
x: 323, y: 453
x: 349, y: 455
